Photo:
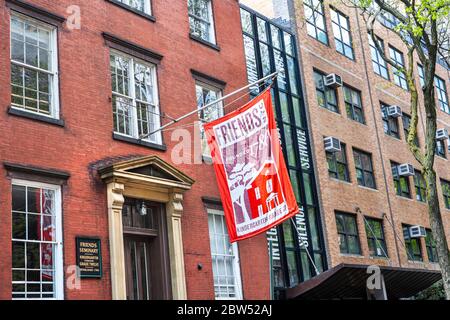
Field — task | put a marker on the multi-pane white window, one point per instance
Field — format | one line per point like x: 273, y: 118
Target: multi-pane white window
x: 225, y: 258
x: 34, y: 65
x: 135, y: 98
x: 37, y: 261
x: 139, y: 5
x: 205, y: 95
x: 201, y: 19
x: 399, y: 75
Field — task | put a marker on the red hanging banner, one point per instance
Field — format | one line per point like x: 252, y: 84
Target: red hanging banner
x: 251, y: 173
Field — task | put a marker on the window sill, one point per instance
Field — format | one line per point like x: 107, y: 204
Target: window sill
x: 135, y: 11
x: 204, y: 42
x: 380, y: 76
x: 323, y: 43
x: 119, y: 137
x: 351, y: 59
x: 340, y: 181
x: 379, y: 258
x: 329, y: 110
x: 392, y: 137
x: 416, y: 262
x: 349, y: 255
x: 367, y: 188
x: 404, y: 198
x: 36, y: 117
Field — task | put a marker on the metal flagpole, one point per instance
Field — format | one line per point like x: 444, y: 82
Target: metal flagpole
x: 273, y: 75
x: 272, y: 282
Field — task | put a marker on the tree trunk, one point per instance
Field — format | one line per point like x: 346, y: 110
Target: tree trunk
x: 438, y: 229
x: 434, y: 210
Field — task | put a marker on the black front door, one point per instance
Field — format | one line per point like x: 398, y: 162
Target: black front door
x: 137, y: 267
x: 146, y: 251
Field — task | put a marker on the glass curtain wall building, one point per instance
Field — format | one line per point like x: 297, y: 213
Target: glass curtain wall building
x: 270, y: 48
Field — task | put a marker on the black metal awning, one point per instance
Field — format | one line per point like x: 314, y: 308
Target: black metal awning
x: 348, y: 281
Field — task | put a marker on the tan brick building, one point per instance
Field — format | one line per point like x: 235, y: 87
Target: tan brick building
x: 367, y: 204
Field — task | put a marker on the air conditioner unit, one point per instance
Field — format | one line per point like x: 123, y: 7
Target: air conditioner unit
x: 441, y: 134
x: 333, y: 81
x: 394, y: 111
x: 405, y: 170
x: 417, y: 232
x: 332, y: 144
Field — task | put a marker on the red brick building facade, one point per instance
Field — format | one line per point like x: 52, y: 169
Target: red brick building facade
x: 73, y: 146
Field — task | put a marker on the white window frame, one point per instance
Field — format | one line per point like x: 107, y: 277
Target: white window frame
x: 132, y: 96
x: 58, y: 255
x: 54, y: 84
x: 236, y: 260
x: 147, y: 6
x: 212, y: 30
x: 219, y: 105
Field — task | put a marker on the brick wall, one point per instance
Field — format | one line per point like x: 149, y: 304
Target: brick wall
x: 369, y: 137
x: 85, y: 93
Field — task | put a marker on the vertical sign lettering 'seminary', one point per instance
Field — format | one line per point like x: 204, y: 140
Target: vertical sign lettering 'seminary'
x: 252, y: 176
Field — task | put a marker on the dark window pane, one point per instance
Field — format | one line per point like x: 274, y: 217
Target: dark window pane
x: 18, y: 254
x: 33, y: 256
x: 34, y: 227
x: 34, y: 200
x: 18, y: 198
x: 18, y: 225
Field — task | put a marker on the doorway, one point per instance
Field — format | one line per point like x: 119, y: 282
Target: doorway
x: 137, y: 264
x: 146, y: 254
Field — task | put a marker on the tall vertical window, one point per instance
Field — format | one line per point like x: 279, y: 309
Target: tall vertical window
x: 143, y: 6
x: 225, y: 258
x: 364, y: 169
x: 390, y: 124
x: 421, y: 186
x: 440, y: 149
x: 431, y: 247
x: 401, y: 183
x: 442, y: 94
x: 201, y: 20
x: 421, y: 75
x: 375, y: 238
x: 446, y: 193
x: 337, y: 164
x: 135, y: 98
x: 34, y: 66
x: 37, y: 260
x: 342, y: 35
x: 406, y: 119
x: 315, y: 20
x: 353, y: 104
x: 205, y: 95
x: 269, y: 48
x: 378, y: 63
x: 399, y: 75
x: 348, y: 233
x: 326, y: 96
x: 413, y: 246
